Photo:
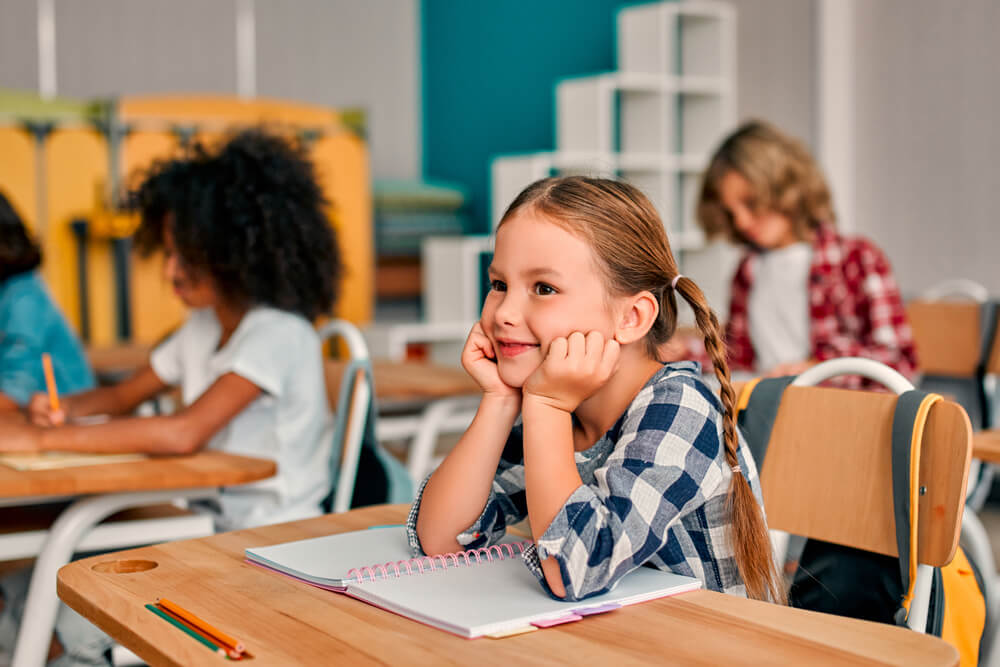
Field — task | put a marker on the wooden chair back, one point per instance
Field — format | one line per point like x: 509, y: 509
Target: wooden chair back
x: 947, y: 335
x: 828, y: 471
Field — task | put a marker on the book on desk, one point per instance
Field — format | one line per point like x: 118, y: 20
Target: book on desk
x: 485, y: 592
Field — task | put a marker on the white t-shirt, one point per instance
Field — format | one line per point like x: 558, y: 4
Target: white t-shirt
x: 290, y: 422
x: 778, y: 309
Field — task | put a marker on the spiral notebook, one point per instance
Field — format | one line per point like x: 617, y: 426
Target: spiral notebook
x: 471, y: 594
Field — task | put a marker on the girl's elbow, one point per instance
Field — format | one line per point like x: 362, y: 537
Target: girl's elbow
x: 182, y: 440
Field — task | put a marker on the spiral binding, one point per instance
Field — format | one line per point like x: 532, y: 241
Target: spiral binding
x: 397, y: 569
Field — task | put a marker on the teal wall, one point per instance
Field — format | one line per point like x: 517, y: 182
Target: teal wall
x: 489, y: 72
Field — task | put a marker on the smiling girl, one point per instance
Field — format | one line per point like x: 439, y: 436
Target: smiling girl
x: 616, y: 459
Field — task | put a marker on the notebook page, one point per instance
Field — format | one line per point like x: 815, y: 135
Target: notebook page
x: 326, y: 560
x: 503, y: 595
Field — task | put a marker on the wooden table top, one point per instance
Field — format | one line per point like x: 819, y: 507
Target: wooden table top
x: 204, y: 469
x: 986, y: 446
x: 284, y: 622
x: 417, y: 381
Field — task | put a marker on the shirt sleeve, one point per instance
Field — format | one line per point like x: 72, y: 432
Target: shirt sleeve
x: 21, y: 348
x: 739, y: 349
x: 659, y: 471
x: 505, y: 506
x: 263, y: 353
x: 885, y: 333
x: 165, y: 358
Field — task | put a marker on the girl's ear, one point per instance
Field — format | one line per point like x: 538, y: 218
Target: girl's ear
x: 638, y: 317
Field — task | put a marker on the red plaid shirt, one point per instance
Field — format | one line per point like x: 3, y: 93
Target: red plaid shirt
x: 855, y: 308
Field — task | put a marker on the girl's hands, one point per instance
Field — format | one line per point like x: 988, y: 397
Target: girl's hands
x: 574, y: 368
x: 40, y: 412
x: 480, y: 361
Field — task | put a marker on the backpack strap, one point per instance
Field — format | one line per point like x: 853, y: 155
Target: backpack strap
x: 756, y: 410
x: 908, y: 423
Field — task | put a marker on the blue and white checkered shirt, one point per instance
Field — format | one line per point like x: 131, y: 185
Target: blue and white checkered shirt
x: 654, y: 493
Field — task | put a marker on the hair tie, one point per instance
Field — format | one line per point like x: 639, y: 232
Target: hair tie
x: 673, y: 283
x: 736, y: 469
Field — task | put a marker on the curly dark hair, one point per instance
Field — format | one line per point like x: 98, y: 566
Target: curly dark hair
x: 251, y: 216
x: 18, y: 252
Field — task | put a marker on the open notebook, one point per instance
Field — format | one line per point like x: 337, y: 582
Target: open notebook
x: 471, y: 594
x: 52, y: 460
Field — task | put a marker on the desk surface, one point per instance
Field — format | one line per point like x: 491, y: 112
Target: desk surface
x: 401, y: 381
x: 986, y: 446
x: 204, y: 469
x: 282, y: 621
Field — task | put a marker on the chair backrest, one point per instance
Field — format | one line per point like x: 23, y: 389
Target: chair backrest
x: 948, y: 336
x: 350, y: 393
x: 828, y: 471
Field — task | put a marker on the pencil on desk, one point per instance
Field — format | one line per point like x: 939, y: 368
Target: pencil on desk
x: 171, y: 620
x: 50, y: 381
x: 202, y: 625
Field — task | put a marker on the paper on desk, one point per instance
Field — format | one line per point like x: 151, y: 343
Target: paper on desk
x: 51, y: 460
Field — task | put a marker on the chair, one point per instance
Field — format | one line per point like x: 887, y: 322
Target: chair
x: 350, y: 393
x: 954, y: 358
x: 831, y: 448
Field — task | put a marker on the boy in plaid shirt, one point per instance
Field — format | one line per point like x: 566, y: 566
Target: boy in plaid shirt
x: 617, y: 460
x: 802, y: 293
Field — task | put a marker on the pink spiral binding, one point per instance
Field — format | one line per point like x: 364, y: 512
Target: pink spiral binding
x: 381, y: 571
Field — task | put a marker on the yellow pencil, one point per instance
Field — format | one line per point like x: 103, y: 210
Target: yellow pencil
x: 202, y: 625
x: 50, y: 381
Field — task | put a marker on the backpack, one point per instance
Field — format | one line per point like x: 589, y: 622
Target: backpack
x: 850, y: 582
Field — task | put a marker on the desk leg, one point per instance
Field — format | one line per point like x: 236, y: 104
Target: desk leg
x: 42, y: 604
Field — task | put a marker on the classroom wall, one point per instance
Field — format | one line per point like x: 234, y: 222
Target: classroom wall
x: 490, y: 71
x: 334, y: 52
x: 927, y: 137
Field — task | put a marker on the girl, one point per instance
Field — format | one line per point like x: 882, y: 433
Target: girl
x: 617, y: 460
x: 250, y: 251
x: 30, y: 323
x: 802, y: 292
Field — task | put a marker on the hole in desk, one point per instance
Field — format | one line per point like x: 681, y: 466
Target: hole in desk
x: 124, y: 566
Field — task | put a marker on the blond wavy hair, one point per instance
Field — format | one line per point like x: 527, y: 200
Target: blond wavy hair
x: 783, y: 175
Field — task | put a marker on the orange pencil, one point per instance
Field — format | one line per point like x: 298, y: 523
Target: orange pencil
x: 50, y: 381
x: 205, y: 627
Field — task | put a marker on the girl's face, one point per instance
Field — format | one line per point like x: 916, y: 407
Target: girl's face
x: 545, y: 284
x: 194, y: 289
x: 765, y: 229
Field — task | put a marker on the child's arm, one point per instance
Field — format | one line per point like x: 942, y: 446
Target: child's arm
x: 458, y: 490
x: 118, y: 399
x: 573, y: 369
x: 181, y: 433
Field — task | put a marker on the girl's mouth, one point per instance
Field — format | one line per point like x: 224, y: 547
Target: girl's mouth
x: 511, y: 349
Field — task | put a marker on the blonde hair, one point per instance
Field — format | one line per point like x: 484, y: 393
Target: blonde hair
x: 626, y: 234
x: 783, y: 175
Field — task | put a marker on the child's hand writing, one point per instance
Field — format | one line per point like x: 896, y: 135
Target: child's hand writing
x: 479, y: 361
x: 40, y: 412
x: 574, y: 368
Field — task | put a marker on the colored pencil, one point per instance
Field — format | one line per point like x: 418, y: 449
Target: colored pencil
x: 202, y: 625
x: 170, y: 619
x: 50, y: 381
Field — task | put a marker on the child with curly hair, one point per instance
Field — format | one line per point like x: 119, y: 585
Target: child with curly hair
x: 249, y: 249
x: 617, y: 460
x: 30, y: 323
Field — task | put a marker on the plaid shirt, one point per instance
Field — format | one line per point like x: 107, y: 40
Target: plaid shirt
x: 654, y: 493
x: 855, y: 308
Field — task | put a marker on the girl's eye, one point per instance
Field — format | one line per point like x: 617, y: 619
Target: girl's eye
x: 541, y: 289
x: 498, y: 286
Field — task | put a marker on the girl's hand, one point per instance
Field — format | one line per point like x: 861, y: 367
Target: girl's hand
x: 480, y: 361
x: 40, y: 412
x: 18, y: 436
x: 574, y: 368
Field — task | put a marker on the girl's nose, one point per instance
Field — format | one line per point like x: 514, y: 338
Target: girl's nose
x: 508, y: 312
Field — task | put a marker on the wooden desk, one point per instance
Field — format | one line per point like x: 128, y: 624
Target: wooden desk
x: 986, y: 446
x: 399, y: 383
x: 106, y: 489
x: 284, y: 622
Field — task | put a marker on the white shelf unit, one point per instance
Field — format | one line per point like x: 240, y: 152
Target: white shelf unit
x: 653, y: 122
